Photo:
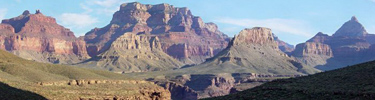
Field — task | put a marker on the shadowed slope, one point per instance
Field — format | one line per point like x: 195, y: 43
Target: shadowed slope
x: 354, y: 82
x: 12, y: 93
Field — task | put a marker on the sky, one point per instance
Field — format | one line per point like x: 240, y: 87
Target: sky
x: 293, y: 21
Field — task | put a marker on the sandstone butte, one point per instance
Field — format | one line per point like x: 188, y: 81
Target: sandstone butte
x: 182, y: 35
x: 38, y: 37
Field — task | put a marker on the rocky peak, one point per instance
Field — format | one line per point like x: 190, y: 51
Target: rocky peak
x: 37, y: 25
x: 351, y: 28
x: 256, y: 35
x: 26, y: 12
x: 40, y: 38
x: 174, y: 26
x: 320, y: 34
x: 133, y: 6
x: 38, y: 12
x: 320, y: 37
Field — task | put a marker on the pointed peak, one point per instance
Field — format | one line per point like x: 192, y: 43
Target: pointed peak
x: 354, y: 19
x: 38, y: 12
x: 26, y: 12
x: 352, y: 28
x: 321, y: 34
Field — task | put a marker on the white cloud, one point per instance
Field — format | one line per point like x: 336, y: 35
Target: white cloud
x: 107, y: 7
x: 372, y: 0
x: 287, y: 26
x: 3, y: 12
x: 77, y: 20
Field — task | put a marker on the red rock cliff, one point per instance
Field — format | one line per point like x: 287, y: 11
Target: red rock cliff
x: 38, y: 37
x: 174, y: 26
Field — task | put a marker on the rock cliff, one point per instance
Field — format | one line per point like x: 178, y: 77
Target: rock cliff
x: 351, y: 44
x: 252, y: 51
x: 133, y: 53
x: 351, y: 28
x: 283, y: 46
x: 40, y: 38
x: 183, y: 36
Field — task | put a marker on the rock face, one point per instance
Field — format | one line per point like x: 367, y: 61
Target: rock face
x: 133, y: 53
x: 40, y: 38
x: 178, y: 91
x: 182, y: 35
x: 313, y: 48
x: 283, y: 46
x: 252, y: 51
x: 352, y: 28
x: 350, y: 45
x: 211, y: 85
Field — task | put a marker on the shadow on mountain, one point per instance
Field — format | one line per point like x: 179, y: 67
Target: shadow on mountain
x: 11, y: 93
x: 340, y: 62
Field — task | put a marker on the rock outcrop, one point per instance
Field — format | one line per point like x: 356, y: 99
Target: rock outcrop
x: 40, y: 38
x: 352, y: 28
x: 252, y: 51
x: 133, y: 53
x: 283, y: 46
x: 183, y: 36
x: 178, y: 91
x: 313, y: 48
x: 350, y: 45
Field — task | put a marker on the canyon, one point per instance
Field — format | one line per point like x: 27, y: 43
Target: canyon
x: 165, y: 52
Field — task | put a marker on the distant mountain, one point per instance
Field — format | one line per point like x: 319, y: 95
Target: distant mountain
x: 252, y: 51
x: 182, y: 35
x: 354, y: 82
x: 38, y: 37
x: 20, y: 79
x: 283, y: 46
x: 352, y: 28
x: 350, y: 45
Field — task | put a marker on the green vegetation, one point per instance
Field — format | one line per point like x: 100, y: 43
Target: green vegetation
x: 21, y: 77
x: 354, y: 82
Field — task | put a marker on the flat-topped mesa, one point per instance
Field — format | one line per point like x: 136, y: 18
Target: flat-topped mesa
x: 312, y: 48
x: 256, y: 35
x: 172, y: 25
x: 38, y: 25
x: 351, y: 28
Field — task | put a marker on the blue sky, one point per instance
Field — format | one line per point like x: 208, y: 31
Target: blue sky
x: 294, y: 21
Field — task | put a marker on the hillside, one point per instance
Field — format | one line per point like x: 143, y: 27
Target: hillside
x: 354, y: 82
x: 252, y: 51
x: 18, y: 75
